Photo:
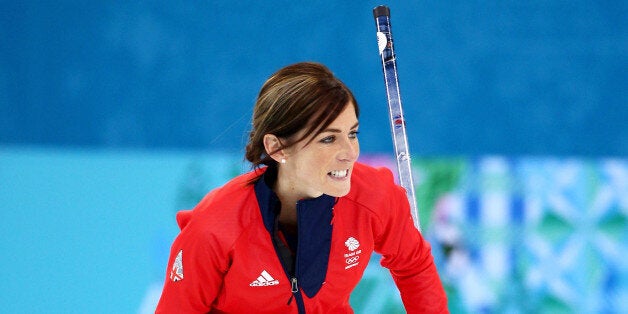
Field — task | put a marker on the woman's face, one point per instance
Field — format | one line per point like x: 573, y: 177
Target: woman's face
x: 324, y: 165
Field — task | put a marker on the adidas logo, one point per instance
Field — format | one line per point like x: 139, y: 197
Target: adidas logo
x: 265, y: 279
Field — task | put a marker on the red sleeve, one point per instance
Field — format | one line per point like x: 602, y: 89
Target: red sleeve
x: 195, y: 272
x: 408, y: 257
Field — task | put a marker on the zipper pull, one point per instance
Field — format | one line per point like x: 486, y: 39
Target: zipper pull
x: 295, y: 286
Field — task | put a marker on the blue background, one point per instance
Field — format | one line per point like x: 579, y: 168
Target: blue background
x: 114, y: 115
x: 477, y: 77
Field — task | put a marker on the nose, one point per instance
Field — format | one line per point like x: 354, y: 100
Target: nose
x: 350, y: 150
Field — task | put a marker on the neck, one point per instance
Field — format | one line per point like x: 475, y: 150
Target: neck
x: 288, y: 199
x: 285, y: 188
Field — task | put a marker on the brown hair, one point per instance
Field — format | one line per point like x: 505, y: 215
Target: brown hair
x: 304, y: 95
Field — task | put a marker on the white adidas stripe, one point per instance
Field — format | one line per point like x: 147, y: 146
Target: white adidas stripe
x: 267, y: 276
x: 265, y: 279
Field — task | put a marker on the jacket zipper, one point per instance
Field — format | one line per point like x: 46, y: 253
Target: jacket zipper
x: 295, y: 286
x: 295, y: 289
x: 290, y: 271
x: 294, y: 283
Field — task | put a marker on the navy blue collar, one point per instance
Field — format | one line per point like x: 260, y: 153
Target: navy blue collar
x: 314, y: 218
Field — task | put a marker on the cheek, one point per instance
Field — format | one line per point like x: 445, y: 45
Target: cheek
x: 315, y: 167
x: 309, y: 167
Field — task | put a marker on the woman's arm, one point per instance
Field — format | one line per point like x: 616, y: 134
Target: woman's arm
x: 408, y: 257
x: 195, y: 271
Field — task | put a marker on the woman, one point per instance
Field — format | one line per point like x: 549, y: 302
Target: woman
x: 295, y: 234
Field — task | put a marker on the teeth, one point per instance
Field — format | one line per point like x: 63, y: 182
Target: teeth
x: 339, y: 173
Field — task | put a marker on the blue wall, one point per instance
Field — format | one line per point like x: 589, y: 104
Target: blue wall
x: 502, y: 77
x: 86, y: 231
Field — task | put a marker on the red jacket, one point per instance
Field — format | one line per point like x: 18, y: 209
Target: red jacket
x: 225, y: 260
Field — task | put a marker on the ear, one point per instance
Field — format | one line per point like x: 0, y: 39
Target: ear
x: 273, y: 147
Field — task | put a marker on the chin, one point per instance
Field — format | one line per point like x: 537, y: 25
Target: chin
x: 339, y: 192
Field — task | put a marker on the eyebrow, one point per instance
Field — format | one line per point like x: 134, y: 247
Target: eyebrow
x: 338, y: 130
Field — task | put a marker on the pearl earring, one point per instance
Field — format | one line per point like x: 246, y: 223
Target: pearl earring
x: 283, y: 160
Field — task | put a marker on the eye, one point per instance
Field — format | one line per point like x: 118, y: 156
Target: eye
x: 328, y: 139
x: 353, y: 134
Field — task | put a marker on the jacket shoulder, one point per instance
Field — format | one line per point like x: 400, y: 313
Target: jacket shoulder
x: 369, y: 177
x: 371, y: 185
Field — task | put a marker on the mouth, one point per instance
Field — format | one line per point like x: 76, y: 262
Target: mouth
x: 339, y: 174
